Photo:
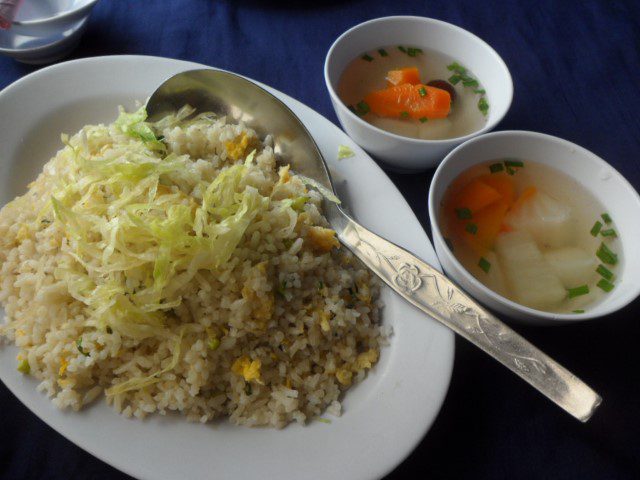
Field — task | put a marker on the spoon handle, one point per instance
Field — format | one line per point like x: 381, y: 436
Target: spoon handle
x: 434, y: 294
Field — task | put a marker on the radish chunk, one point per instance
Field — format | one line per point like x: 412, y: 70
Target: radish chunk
x: 572, y: 265
x: 550, y: 222
x: 533, y: 283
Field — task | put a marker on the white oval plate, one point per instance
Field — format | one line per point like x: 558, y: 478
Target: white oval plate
x: 384, y: 417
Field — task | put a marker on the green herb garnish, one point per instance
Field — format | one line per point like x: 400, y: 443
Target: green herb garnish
x: 595, y: 230
x: 423, y: 119
x: 324, y: 420
x: 367, y: 57
x: 578, y: 311
x: 402, y: 49
x: 456, y: 67
x: 496, y: 167
x: 455, y: 79
x: 514, y: 163
x: 605, y: 285
x: 320, y: 284
x: 607, y: 218
x: 483, y: 106
x: 609, y: 232
x: 383, y: 52
x: 511, y: 171
x: 481, y: 91
x: 578, y: 291
x: 24, y: 367
x: 362, y: 108
x: 484, y: 264
x: 463, y: 213
x: 79, y: 347
x: 213, y: 343
x: 604, y: 272
x: 412, y: 52
x: 422, y: 91
x: 404, y: 114
x: 470, y: 82
x: 607, y: 256
x: 472, y: 228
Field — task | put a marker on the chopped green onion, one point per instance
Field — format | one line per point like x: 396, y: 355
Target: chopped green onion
x: 367, y: 57
x: 456, y: 67
x: 609, y: 232
x: 362, y: 108
x: 484, y: 264
x: 605, y: 285
x: 324, y: 420
x: 483, y: 106
x: 604, y: 272
x: 282, y: 287
x: 449, y: 243
x: 511, y: 171
x: 480, y: 90
x: 24, y: 367
x: 472, y: 228
x: 463, y: 213
x: 422, y: 91
x: 470, y: 82
x: 404, y: 114
x: 605, y: 254
x: 320, y: 284
x: 496, y: 167
x: 514, y: 163
x: 382, y: 52
x: 578, y: 311
x: 412, y: 52
x: 595, y: 230
x: 455, y: 79
x: 607, y: 218
x: 109, y: 330
x: 214, y: 343
x: 402, y: 49
x: 79, y: 347
x: 578, y: 291
x: 423, y: 119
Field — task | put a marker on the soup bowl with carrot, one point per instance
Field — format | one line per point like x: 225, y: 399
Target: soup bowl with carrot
x: 409, y: 89
x: 536, y: 227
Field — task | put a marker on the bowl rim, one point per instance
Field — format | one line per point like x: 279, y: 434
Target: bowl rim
x: 73, y: 31
x: 419, y: 141
x: 565, y: 318
x: 86, y: 4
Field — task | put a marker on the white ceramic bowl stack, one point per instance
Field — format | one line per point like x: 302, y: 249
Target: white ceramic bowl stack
x: 45, y: 31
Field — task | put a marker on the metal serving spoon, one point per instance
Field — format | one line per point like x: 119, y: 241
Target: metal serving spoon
x: 419, y: 283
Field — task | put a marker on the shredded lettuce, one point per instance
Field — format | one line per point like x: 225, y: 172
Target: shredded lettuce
x: 135, y: 228
x: 345, y: 152
x: 326, y: 193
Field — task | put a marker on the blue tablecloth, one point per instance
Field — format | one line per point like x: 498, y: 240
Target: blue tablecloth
x: 575, y: 65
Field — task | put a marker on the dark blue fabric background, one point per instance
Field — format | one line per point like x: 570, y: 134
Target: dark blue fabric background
x: 575, y: 66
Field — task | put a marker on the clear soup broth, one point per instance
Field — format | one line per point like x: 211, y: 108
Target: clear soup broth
x: 532, y: 234
x: 369, y: 73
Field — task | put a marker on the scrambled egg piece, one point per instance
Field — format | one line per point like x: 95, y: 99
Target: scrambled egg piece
x: 344, y: 376
x: 284, y: 175
x: 322, y: 239
x: 64, y: 363
x: 237, y: 147
x: 366, y: 359
x: 247, y: 368
x: 324, y: 321
x: 262, y: 306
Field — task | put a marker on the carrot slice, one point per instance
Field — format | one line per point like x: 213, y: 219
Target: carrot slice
x: 415, y: 101
x: 403, y: 75
x: 527, y: 193
x: 475, y: 195
x: 503, y: 184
